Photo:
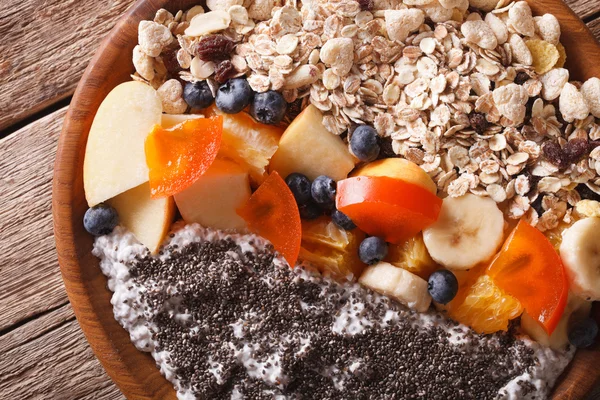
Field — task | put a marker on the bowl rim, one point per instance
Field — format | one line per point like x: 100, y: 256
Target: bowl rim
x: 66, y: 181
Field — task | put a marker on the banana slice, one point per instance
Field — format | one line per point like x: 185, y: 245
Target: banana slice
x: 468, y: 231
x: 576, y: 310
x: 580, y: 252
x: 399, y: 284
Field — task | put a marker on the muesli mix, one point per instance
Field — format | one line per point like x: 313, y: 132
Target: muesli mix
x: 428, y: 168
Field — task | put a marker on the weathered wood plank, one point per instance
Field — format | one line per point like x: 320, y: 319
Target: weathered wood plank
x: 584, y: 8
x: 45, y: 47
x: 57, y: 365
x: 595, y: 27
x: 31, y: 281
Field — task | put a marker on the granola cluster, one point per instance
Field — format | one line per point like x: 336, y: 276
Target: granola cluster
x: 472, y: 91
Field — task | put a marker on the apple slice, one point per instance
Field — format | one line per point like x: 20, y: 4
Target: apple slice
x: 170, y: 120
x: 148, y: 219
x: 308, y: 148
x: 114, y: 156
x: 213, y: 199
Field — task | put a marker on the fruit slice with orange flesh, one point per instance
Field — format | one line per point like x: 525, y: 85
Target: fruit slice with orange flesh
x: 331, y: 248
x: 272, y: 213
x: 178, y: 156
x: 529, y: 269
x: 387, y: 207
x: 482, y: 305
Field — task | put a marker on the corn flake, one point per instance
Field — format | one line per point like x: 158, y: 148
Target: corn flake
x: 545, y: 55
x: 562, y: 56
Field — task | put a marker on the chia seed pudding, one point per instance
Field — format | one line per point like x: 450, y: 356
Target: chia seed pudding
x: 225, y: 317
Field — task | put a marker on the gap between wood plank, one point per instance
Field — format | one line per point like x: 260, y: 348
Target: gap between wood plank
x: 29, y: 319
x: 34, y: 117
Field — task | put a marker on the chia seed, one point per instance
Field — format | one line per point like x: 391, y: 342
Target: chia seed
x: 242, y: 323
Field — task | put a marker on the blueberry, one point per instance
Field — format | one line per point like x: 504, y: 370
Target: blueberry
x: 364, y: 143
x: 342, y: 220
x: 583, y: 333
x: 100, y: 219
x: 442, y: 286
x: 234, y: 95
x: 323, y: 191
x: 372, y: 250
x: 310, y: 210
x: 299, y: 184
x: 268, y: 107
x: 198, y: 94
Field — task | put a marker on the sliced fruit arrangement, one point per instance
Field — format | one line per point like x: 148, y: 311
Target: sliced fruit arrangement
x: 214, y: 198
x: 178, y: 156
x: 412, y: 255
x: 469, y: 231
x: 529, y: 269
x: 580, y: 252
x: 308, y: 148
x: 391, y: 208
x: 331, y: 248
x: 114, y: 156
x: 399, y: 284
x: 247, y: 142
x: 148, y: 219
x: 482, y: 305
x: 381, y: 223
x: 272, y: 212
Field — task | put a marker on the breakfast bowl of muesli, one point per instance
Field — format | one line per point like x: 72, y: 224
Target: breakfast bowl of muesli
x: 354, y: 199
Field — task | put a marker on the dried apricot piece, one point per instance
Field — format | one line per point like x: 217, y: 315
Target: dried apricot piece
x: 272, y: 213
x: 178, y: 156
x: 529, y: 269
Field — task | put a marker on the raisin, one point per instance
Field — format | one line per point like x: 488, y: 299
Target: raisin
x: 294, y: 109
x: 575, y: 150
x: 366, y: 5
x: 169, y: 58
x: 521, y: 78
x: 386, y: 149
x: 553, y: 153
x: 478, y: 122
x: 215, y: 48
x: 224, y: 71
x: 586, y: 193
x: 594, y: 143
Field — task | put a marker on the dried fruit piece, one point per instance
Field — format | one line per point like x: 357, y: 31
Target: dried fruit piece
x: 366, y: 5
x: 215, y: 48
x: 478, y: 122
x: 224, y: 71
x: 178, y: 156
x: 529, y: 269
x: 574, y: 151
x: 553, y: 153
x: 272, y: 213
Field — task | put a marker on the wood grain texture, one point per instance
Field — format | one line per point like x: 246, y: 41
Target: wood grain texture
x: 134, y: 371
x: 45, y: 48
x: 28, y: 270
x: 69, y: 371
x: 594, y: 26
x: 584, y: 8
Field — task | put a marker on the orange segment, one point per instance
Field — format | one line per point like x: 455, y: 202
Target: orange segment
x: 178, y: 156
x: 412, y: 255
x: 331, y: 248
x: 482, y: 305
x: 529, y: 269
x: 391, y: 208
x: 272, y: 213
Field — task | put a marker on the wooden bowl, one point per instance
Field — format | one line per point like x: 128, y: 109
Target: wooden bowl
x: 133, y: 371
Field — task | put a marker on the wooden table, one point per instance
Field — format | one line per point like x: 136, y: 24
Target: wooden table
x: 44, y: 49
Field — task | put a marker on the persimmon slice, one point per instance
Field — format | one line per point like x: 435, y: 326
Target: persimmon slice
x: 178, y: 156
x: 272, y: 213
x: 529, y: 269
x: 387, y: 207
